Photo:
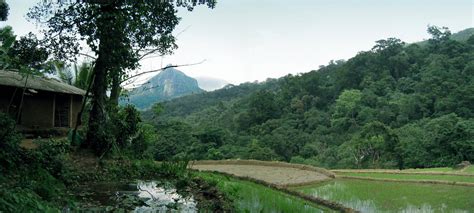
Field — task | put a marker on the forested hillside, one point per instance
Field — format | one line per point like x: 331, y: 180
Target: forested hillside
x: 395, y: 106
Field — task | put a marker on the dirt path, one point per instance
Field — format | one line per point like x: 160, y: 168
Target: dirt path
x: 278, y: 173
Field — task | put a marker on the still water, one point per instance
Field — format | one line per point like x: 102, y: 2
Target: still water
x: 140, y: 196
x: 378, y: 196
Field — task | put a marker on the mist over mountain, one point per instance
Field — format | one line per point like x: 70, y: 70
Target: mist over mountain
x: 210, y: 83
x: 168, y: 84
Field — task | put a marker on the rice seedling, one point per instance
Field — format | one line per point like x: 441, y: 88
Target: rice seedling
x: 382, y: 196
x: 251, y: 197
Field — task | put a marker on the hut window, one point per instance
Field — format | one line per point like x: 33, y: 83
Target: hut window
x: 61, y: 111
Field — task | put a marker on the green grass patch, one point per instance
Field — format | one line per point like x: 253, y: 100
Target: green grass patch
x: 469, y: 170
x: 252, y: 197
x: 381, y: 196
x: 438, y: 169
x: 430, y: 177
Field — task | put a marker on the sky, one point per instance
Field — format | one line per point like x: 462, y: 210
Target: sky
x: 252, y: 40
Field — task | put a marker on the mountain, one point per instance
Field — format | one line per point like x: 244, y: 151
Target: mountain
x: 211, y: 84
x: 463, y: 35
x: 168, y: 84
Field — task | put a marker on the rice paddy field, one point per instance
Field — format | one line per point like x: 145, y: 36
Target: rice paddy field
x: 466, y: 171
x: 379, y: 190
x: 252, y: 197
x: 405, y: 176
x: 385, y: 196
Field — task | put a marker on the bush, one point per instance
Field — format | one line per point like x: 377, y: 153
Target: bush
x: 126, y: 125
x: 11, y: 154
x: 51, y: 155
x: 22, y: 200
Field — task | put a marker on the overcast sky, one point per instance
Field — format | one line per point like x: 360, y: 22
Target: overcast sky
x: 247, y: 40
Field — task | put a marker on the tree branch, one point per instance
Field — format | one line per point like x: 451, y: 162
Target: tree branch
x: 87, y: 55
x: 161, y: 69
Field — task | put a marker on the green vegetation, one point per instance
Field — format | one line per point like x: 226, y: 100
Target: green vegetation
x: 251, y: 197
x: 47, y: 179
x: 452, y: 178
x: 397, y: 105
x: 394, y: 106
x: 437, y: 169
x: 469, y: 170
x: 378, y: 196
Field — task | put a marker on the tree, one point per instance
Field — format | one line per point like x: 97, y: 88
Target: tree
x: 7, y: 39
x: 28, y: 53
x: 4, y: 8
x: 262, y: 106
x: 83, y: 75
x: 376, y: 142
x: 63, y: 72
x: 119, y: 32
x: 346, y: 108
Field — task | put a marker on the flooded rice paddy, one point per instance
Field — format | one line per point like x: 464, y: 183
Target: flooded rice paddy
x: 380, y: 196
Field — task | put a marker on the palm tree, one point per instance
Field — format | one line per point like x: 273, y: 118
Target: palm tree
x: 80, y: 78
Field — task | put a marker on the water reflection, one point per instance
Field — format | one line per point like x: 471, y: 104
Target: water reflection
x: 159, y: 199
x: 141, y: 196
x: 376, y: 196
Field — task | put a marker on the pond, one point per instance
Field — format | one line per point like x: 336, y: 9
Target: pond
x: 379, y: 196
x: 140, y: 196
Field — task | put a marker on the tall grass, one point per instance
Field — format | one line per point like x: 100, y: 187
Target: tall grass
x: 251, y: 197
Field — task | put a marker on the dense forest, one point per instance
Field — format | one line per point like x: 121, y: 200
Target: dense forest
x: 397, y: 105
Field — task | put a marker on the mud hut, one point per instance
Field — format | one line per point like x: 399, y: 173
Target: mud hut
x: 39, y: 103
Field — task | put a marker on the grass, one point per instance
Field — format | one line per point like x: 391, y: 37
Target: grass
x: 380, y: 196
x: 251, y: 197
x: 430, y: 177
x: 439, y: 169
x: 469, y: 170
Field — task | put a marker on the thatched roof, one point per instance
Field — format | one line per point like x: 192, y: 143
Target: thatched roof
x: 14, y: 79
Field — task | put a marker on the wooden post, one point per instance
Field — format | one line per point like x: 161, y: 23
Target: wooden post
x: 54, y: 109
x: 70, y: 111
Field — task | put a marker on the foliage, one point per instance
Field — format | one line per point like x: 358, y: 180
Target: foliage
x: 4, y: 9
x: 10, y: 153
x: 23, y: 200
x: 397, y: 105
x: 119, y: 33
x: 28, y: 52
x: 31, y: 180
x: 7, y: 38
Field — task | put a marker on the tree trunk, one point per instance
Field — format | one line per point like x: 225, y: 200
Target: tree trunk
x: 97, y: 129
x: 115, y: 90
x: 96, y: 132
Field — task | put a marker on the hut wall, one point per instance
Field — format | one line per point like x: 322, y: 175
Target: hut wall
x: 5, y: 97
x: 38, y: 111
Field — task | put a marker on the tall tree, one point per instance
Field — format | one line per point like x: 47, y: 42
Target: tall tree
x: 119, y: 32
x: 4, y: 8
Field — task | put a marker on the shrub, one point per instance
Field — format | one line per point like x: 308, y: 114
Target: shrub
x: 10, y: 151
x: 51, y: 155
